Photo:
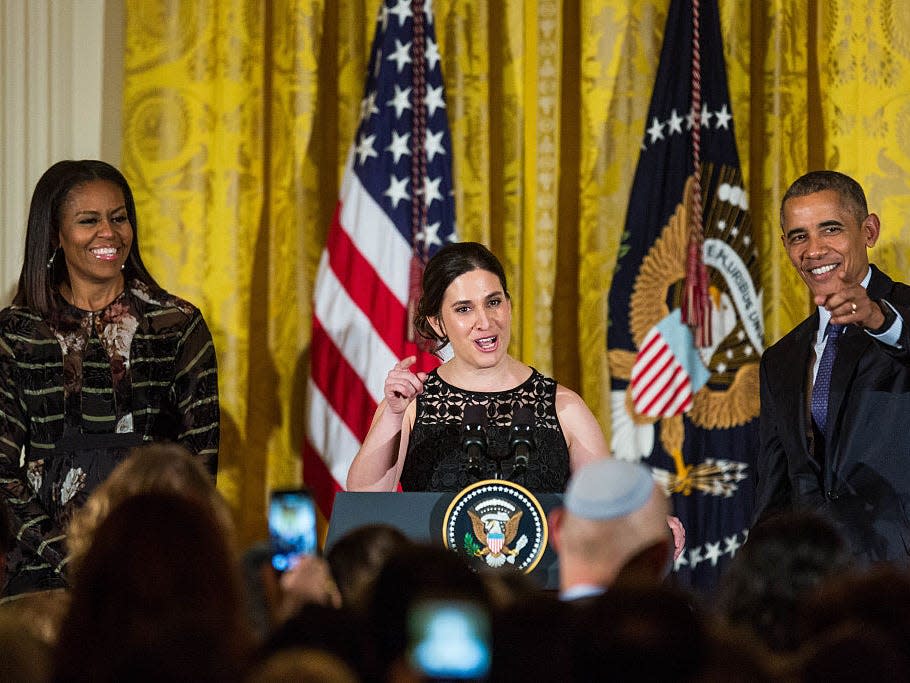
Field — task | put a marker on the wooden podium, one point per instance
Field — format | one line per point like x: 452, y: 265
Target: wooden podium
x: 420, y: 517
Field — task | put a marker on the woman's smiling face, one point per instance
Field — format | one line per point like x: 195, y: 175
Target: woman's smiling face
x: 95, y: 232
x: 476, y: 316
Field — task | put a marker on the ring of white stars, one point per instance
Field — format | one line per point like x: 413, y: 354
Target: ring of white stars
x: 661, y: 130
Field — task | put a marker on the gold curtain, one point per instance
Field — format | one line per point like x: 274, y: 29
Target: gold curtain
x: 238, y: 117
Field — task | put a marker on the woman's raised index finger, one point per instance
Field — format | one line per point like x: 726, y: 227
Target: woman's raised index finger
x: 405, y: 363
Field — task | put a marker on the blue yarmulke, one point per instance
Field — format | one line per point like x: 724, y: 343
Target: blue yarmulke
x: 608, y: 488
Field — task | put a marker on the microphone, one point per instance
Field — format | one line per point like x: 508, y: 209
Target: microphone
x: 474, y: 437
x: 521, y: 439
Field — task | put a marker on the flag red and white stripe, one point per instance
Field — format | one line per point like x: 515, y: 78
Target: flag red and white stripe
x: 667, y: 370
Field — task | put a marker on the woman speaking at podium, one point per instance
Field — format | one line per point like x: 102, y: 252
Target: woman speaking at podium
x: 417, y: 436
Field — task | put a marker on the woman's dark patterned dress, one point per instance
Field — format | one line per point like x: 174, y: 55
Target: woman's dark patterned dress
x: 436, y: 461
x: 77, y: 391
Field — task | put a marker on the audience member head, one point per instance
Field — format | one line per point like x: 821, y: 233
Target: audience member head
x: 736, y: 655
x: 612, y: 512
x: 302, y: 665
x: 785, y: 558
x: 158, y: 467
x: 533, y: 639
x: 25, y: 658
x: 877, y: 597
x: 156, y: 597
x: 507, y: 586
x: 852, y: 651
x: 453, y: 260
x: 356, y: 558
x: 43, y: 267
x: 416, y: 573
x: 640, y: 633
x: 336, y: 631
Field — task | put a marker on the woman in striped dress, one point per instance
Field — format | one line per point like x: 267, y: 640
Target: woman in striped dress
x: 95, y: 358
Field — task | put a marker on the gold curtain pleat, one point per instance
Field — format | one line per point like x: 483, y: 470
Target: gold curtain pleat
x: 238, y: 117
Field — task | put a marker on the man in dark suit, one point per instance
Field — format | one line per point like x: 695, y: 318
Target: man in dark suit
x: 835, y: 424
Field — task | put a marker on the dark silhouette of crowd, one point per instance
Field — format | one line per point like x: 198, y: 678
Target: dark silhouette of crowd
x: 159, y: 593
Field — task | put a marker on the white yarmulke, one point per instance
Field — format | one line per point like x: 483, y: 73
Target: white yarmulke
x: 608, y: 488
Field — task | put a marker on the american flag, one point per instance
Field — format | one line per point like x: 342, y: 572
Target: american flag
x: 360, y: 316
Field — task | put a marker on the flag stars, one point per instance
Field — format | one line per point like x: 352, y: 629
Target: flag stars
x: 401, y: 100
x: 434, y: 145
x: 705, y: 116
x: 656, y: 130
x: 675, y: 123
x: 712, y: 553
x: 434, y: 100
x: 429, y: 235
x: 402, y: 54
x: 432, y: 54
x: 403, y: 11
x: 731, y: 545
x: 364, y: 149
x: 680, y: 561
x: 399, y: 145
x: 397, y: 190
x: 431, y: 190
x: 368, y: 106
x: 695, y: 557
x: 722, y: 118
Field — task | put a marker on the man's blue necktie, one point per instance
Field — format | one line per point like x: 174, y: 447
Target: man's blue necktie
x: 823, y: 378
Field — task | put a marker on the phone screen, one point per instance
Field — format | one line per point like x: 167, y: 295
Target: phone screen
x: 292, y: 527
x: 449, y: 639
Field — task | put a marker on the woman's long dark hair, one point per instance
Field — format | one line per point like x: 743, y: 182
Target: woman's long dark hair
x: 38, y: 281
x: 448, y: 263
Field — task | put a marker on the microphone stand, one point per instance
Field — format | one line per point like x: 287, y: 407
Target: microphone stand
x: 521, y: 440
x: 474, y: 438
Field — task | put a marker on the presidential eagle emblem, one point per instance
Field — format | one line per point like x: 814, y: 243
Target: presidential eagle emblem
x: 496, y: 530
x: 495, y: 523
x: 715, y: 386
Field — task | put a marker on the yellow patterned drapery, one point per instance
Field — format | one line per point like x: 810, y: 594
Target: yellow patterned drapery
x: 238, y: 117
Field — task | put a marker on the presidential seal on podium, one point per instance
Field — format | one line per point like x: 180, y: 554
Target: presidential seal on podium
x: 496, y: 523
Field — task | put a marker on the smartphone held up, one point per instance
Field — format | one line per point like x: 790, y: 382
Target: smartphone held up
x: 292, y: 526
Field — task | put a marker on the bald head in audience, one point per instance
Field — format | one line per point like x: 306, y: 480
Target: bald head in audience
x: 613, y: 517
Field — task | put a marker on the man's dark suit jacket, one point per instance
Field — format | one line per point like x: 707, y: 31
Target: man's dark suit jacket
x: 863, y: 481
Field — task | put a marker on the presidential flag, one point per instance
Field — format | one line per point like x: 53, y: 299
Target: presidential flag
x: 395, y: 209
x: 685, y: 316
